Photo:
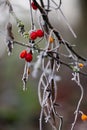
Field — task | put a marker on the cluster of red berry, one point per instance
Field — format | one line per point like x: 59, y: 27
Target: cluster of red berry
x: 26, y: 55
x: 33, y: 35
x: 38, y: 33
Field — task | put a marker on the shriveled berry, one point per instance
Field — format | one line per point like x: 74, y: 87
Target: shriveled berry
x: 34, y: 6
x: 40, y: 33
x: 51, y: 39
x: 23, y: 54
x: 81, y: 65
x: 84, y: 117
x: 33, y: 35
x: 28, y: 57
x: 29, y: 71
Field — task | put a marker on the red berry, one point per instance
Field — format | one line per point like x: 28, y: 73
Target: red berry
x: 28, y: 57
x: 40, y: 33
x: 33, y: 35
x: 34, y: 6
x: 23, y: 54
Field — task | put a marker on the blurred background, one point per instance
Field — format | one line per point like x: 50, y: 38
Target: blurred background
x: 20, y: 110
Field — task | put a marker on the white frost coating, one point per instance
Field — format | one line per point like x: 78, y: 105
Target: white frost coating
x: 21, y: 8
x: 70, y: 8
x: 4, y: 17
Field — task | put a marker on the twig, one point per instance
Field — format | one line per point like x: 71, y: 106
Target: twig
x: 80, y: 100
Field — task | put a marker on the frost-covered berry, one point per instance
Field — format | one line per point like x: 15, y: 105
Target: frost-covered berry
x: 40, y: 33
x: 33, y: 6
x: 33, y: 35
x: 28, y: 57
x: 23, y: 54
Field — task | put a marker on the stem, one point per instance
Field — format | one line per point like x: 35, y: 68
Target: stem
x: 79, y: 102
x: 31, y: 15
x: 41, y: 117
x: 42, y: 4
x: 70, y: 48
x: 50, y: 55
x: 58, y: 6
x: 46, y: 19
x: 48, y: 5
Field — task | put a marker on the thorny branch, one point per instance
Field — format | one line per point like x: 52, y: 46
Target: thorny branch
x: 48, y: 60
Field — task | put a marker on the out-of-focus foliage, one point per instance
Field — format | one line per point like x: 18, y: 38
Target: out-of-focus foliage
x: 18, y: 109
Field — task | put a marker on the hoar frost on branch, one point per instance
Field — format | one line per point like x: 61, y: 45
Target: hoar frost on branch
x: 49, y: 59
